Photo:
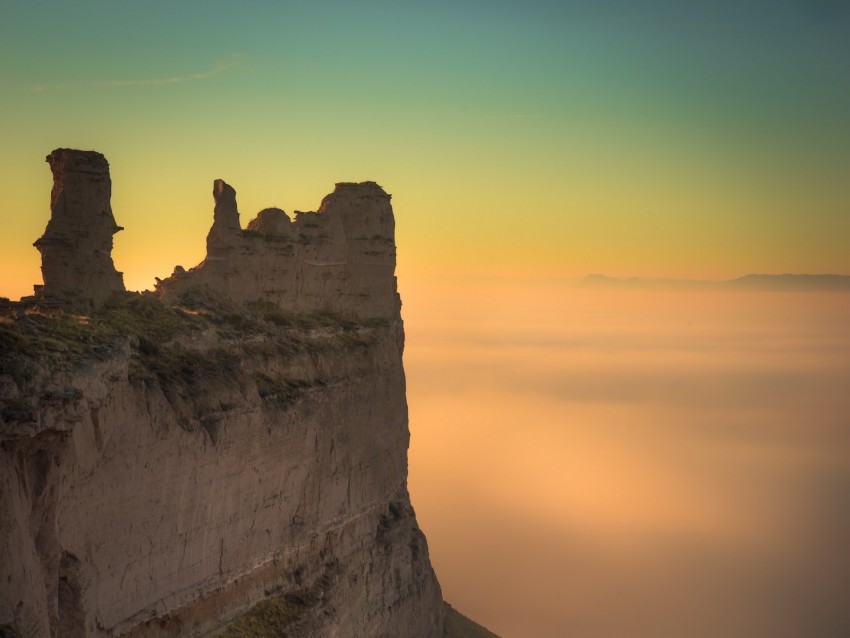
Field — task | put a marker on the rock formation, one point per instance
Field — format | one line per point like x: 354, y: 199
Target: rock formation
x: 76, y: 248
x: 339, y: 259
x: 166, y: 465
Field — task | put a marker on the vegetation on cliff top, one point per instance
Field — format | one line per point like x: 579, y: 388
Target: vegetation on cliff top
x: 180, y: 346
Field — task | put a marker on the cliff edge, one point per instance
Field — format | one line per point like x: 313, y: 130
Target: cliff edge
x: 225, y: 456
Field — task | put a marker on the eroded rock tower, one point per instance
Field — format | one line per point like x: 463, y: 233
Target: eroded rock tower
x: 76, y: 247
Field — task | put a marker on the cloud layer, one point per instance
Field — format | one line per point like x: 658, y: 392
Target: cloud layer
x: 637, y: 464
x: 231, y: 62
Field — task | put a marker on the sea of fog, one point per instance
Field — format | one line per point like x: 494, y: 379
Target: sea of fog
x: 633, y: 464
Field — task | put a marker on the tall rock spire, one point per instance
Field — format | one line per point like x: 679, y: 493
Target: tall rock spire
x: 76, y: 248
x: 226, y: 232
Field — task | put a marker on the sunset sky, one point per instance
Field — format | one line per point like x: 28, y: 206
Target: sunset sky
x: 595, y: 465
x: 655, y: 138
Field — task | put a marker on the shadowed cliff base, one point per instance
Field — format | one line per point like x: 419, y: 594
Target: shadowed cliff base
x: 298, y: 613
x: 459, y: 626
x: 236, y: 440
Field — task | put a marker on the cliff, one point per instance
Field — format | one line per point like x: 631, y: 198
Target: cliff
x: 235, y: 442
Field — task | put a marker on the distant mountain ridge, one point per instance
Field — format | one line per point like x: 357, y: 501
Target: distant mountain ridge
x: 784, y: 282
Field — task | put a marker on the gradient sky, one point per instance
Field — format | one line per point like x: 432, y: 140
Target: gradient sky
x: 577, y: 463
x: 655, y: 138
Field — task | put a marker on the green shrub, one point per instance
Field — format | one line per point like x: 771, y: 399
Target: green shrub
x: 272, y: 617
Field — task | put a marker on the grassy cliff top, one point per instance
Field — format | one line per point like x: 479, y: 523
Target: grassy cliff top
x: 177, y: 345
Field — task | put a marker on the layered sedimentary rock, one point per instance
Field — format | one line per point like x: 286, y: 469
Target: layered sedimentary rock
x: 76, y: 248
x: 339, y: 259
x: 166, y: 466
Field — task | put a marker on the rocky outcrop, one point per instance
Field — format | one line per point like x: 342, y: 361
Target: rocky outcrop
x: 339, y: 259
x: 166, y: 464
x: 76, y: 248
x: 166, y: 489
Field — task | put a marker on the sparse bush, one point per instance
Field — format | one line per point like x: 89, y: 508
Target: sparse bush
x: 273, y: 616
x: 282, y: 391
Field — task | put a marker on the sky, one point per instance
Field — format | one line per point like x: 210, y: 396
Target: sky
x: 595, y: 465
x: 528, y: 139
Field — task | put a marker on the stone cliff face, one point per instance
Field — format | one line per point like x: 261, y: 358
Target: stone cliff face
x: 169, y: 460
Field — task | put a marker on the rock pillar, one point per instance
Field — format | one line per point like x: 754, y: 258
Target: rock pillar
x: 76, y: 248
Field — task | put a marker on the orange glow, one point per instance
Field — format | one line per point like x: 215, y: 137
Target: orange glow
x: 656, y: 464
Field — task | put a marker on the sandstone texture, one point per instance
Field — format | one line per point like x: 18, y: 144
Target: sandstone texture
x: 339, y: 259
x: 76, y: 248
x: 225, y: 454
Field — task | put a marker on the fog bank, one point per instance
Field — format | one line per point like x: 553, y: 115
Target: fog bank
x: 664, y: 464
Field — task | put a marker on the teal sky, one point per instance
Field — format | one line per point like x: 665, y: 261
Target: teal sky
x: 649, y: 138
